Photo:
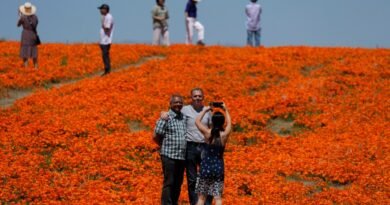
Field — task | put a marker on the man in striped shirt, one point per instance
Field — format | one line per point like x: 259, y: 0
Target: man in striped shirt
x: 170, y: 135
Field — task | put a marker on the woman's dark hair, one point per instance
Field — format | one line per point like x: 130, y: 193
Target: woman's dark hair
x: 158, y: 2
x: 218, y: 120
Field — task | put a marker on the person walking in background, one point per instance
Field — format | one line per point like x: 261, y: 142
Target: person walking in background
x: 29, y: 41
x: 192, y: 23
x: 160, y: 17
x: 170, y: 135
x: 106, y: 33
x: 253, y: 11
x: 212, y: 174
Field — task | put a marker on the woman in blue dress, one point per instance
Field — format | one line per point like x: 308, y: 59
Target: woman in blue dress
x: 211, y: 176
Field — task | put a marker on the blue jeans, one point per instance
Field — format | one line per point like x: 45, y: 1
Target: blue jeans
x: 253, y: 34
x: 193, y: 158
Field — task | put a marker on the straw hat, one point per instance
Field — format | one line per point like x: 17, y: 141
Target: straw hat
x: 28, y: 9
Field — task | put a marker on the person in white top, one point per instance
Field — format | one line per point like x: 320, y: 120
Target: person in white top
x: 106, y: 33
x: 253, y: 11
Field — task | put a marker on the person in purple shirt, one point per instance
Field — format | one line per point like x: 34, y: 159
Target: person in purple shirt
x: 253, y: 11
x: 192, y: 23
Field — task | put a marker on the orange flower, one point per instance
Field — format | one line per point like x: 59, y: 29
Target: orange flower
x: 310, y: 124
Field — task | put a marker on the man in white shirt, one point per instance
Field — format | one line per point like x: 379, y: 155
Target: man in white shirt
x: 195, y: 142
x: 106, y: 33
x: 253, y: 11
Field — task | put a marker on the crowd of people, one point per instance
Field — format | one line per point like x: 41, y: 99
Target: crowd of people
x: 192, y: 138
x: 160, y: 16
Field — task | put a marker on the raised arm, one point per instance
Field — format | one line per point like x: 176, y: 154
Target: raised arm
x: 198, y: 122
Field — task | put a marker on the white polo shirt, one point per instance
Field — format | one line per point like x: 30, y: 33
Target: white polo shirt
x: 107, y: 22
x: 193, y: 134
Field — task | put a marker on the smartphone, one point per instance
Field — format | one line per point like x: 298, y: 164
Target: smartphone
x: 216, y: 104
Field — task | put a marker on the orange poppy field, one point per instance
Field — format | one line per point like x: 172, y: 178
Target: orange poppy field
x: 310, y: 124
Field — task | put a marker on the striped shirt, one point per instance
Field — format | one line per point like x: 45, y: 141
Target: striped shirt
x: 172, y: 132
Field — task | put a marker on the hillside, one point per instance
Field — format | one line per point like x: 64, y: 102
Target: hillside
x: 310, y: 124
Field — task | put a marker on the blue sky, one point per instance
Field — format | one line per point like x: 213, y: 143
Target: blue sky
x: 356, y: 23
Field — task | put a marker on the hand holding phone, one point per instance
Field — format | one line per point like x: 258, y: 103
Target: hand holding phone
x: 217, y: 104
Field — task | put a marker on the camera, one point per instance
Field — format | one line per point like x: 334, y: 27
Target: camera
x: 216, y: 105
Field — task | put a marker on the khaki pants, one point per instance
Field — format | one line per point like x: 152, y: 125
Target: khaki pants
x: 160, y: 37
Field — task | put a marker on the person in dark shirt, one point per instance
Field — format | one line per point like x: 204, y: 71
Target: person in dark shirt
x: 192, y: 23
x: 28, y: 45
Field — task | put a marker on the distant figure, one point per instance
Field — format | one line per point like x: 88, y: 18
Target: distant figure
x: 106, y: 33
x: 160, y: 17
x: 29, y: 21
x: 253, y: 11
x: 191, y: 23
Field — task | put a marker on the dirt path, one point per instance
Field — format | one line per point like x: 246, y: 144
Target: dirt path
x: 14, y: 94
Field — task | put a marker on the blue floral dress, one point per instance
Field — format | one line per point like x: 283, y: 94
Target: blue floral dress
x: 211, y: 176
